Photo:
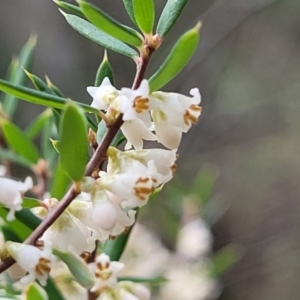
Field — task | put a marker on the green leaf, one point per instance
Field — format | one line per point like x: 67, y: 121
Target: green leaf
x: 144, y: 12
x: 110, y: 26
x: 60, y: 182
x: 37, y: 124
x: 34, y: 291
x: 73, y: 146
x: 77, y: 267
x: 30, y: 202
x: 177, y: 59
x: 17, y: 76
x: 103, y: 71
x: 169, y: 16
x: 98, y: 36
x: 6, y: 154
x: 56, y: 91
x: 115, y: 248
x: 49, y: 153
x: 38, y: 97
x: 70, y: 8
x: 19, y: 142
x: 148, y: 280
x: 26, y: 217
x: 38, y: 83
x: 9, y: 234
x: 129, y: 8
x: 20, y: 229
x: 224, y: 259
x: 52, y: 291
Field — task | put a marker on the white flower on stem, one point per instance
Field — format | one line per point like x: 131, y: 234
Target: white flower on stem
x: 105, y: 273
x: 135, y: 132
x: 12, y: 192
x: 33, y: 260
x: 174, y: 115
x: 104, y: 95
x: 122, y: 161
x: 69, y: 233
x: 103, y: 214
x: 134, y: 186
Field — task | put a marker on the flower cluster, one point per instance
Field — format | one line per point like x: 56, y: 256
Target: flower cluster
x: 168, y: 114
x: 106, y: 206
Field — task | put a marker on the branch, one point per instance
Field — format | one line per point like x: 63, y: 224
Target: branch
x: 98, y: 156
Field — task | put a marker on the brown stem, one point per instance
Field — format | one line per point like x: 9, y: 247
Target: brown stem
x: 98, y: 156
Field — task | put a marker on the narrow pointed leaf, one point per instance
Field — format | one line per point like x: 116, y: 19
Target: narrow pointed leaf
x: 98, y: 36
x: 53, y: 291
x: 6, y: 154
x: 30, y: 202
x: 103, y: 71
x: 110, y: 26
x: 18, y: 141
x: 9, y: 234
x: 34, y: 291
x: 38, y: 97
x: 70, y: 8
x: 36, y: 126
x: 144, y: 12
x: 73, y: 146
x: 38, y: 83
x: 115, y: 248
x: 56, y: 91
x: 177, y: 59
x: 129, y: 8
x: 148, y: 280
x: 49, y: 153
x: 60, y: 183
x: 21, y: 230
x: 77, y: 267
x: 169, y: 16
x: 17, y: 76
x: 26, y: 217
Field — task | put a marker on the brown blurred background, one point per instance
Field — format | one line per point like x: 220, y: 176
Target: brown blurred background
x: 248, y: 69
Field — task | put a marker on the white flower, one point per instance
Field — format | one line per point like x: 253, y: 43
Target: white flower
x: 122, y: 161
x: 12, y: 192
x: 175, y: 115
x: 69, y: 233
x: 134, y: 186
x: 105, y: 272
x: 33, y: 260
x: 104, y: 95
x: 103, y: 214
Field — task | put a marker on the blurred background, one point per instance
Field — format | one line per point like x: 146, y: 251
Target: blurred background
x: 248, y: 70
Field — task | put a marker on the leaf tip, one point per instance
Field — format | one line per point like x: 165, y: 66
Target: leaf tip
x: 32, y: 39
x: 62, y: 12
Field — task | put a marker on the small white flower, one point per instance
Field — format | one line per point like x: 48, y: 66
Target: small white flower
x: 105, y: 273
x: 175, y: 115
x: 33, y: 260
x: 12, y: 192
x: 69, y: 233
x: 104, y: 95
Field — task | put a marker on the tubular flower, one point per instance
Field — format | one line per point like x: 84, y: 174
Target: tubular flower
x: 12, y: 192
x: 105, y: 272
x: 174, y: 115
x: 171, y: 113
x: 69, y: 233
x: 33, y: 260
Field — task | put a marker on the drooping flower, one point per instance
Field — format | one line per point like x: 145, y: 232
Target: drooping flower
x: 174, y: 115
x: 105, y: 273
x: 33, y: 260
x: 69, y: 233
x: 12, y: 192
